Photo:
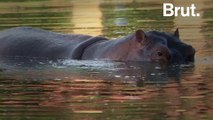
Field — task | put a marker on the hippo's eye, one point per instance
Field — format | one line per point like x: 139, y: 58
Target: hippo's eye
x: 159, y: 53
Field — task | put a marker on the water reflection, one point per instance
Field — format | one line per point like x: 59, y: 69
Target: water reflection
x: 34, y: 89
x: 45, y: 14
x: 77, y: 88
x: 112, y: 99
x: 190, y: 34
x: 150, y: 73
x: 86, y: 16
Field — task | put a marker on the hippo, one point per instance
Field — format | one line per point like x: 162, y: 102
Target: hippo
x: 150, y: 46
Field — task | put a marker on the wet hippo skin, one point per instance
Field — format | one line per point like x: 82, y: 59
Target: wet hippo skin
x: 139, y: 46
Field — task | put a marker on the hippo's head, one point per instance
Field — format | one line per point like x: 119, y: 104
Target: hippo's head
x: 160, y: 47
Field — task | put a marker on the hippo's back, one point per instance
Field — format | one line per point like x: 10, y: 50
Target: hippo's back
x: 33, y: 42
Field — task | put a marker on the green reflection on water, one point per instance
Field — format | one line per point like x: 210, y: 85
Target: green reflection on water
x: 38, y: 14
x: 22, y: 0
x: 126, y: 18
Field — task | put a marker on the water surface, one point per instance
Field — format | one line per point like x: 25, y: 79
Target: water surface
x: 103, y: 90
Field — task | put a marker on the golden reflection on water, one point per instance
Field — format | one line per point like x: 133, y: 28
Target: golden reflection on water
x: 86, y: 16
x: 191, y: 30
x: 191, y: 27
x: 188, y: 99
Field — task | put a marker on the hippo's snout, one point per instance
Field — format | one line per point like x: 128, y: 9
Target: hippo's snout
x: 189, y: 54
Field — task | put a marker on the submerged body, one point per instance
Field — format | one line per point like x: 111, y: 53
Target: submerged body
x: 138, y: 46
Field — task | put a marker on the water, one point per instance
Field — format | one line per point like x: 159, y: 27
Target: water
x: 100, y: 90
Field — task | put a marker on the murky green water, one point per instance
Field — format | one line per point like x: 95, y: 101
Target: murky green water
x: 98, y: 90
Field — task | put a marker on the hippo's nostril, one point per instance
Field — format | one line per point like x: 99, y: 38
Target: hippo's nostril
x: 159, y: 53
x: 190, y: 59
x: 169, y: 57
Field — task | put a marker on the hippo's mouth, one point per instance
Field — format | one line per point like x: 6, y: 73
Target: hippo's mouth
x: 160, y: 60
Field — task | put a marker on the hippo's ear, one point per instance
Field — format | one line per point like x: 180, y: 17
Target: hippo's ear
x: 140, y: 35
x: 176, y: 33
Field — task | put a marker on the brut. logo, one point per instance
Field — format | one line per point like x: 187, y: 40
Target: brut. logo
x: 170, y: 10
